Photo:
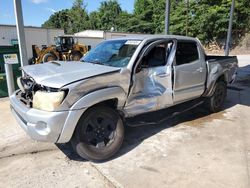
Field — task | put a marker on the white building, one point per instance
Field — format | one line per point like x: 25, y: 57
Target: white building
x: 33, y: 35
x: 93, y: 37
x: 42, y: 36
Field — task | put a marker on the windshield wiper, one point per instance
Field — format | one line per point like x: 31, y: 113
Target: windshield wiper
x: 55, y: 63
x: 96, y: 62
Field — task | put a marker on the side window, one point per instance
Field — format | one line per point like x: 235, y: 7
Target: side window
x: 157, y: 56
x: 186, y: 52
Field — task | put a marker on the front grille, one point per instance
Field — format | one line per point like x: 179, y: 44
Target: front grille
x: 27, y: 88
x: 22, y: 97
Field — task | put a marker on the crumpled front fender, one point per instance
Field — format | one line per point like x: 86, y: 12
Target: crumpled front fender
x: 100, y: 95
x: 87, y: 101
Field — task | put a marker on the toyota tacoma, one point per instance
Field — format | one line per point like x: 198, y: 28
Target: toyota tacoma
x: 88, y: 102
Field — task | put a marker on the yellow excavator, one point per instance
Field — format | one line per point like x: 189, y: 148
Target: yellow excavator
x: 66, y: 48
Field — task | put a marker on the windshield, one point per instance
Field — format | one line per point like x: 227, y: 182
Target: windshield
x: 115, y: 53
x: 64, y: 40
x: 57, y: 41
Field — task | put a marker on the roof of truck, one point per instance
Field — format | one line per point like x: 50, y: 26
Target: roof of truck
x: 143, y: 37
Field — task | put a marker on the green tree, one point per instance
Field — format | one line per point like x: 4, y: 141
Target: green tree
x: 159, y: 16
x: 94, y: 20
x: 205, y: 19
x: 71, y: 20
x: 79, y: 17
x: 142, y: 21
x: 61, y: 19
x: 124, y: 21
x: 109, y: 11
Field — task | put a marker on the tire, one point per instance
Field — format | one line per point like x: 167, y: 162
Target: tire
x: 99, y: 134
x: 75, y: 56
x: 216, y: 101
x: 31, y: 61
x: 49, y: 57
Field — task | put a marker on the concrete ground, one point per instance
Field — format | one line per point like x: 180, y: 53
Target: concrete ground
x: 194, y: 149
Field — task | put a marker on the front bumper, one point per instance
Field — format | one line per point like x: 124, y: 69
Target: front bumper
x: 39, y: 125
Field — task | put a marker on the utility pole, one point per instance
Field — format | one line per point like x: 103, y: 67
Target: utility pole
x: 21, y: 44
x: 167, y: 16
x: 20, y: 32
x: 187, y: 17
x: 229, y: 31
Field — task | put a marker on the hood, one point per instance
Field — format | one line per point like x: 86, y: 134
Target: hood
x: 58, y: 74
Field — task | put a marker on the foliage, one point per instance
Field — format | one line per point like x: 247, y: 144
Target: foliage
x: 71, y: 20
x: 59, y: 19
x: 109, y: 11
x: 205, y: 19
x: 79, y: 16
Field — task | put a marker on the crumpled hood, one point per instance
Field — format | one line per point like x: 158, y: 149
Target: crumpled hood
x: 59, y: 73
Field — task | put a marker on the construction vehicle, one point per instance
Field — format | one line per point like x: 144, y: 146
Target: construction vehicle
x: 66, y: 48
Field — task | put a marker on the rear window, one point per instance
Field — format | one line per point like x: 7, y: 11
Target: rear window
x: 186, y: 52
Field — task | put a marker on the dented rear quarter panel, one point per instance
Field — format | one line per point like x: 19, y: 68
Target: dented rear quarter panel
x: 225, y: 67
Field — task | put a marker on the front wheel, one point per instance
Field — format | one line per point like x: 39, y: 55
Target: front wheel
x: 216, y: 101
x: 49, y: 57
x: 99, y: 134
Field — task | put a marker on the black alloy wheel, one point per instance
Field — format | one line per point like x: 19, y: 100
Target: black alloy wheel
x: 99, y: 134
x: 100, y: 130
x: 216, y: 101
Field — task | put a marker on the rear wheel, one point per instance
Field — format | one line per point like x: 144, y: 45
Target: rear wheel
x: 75, y: 56
x: 216, y: 101
x: 99, y: 134
x: 49, y: 57
x: 31, y: 61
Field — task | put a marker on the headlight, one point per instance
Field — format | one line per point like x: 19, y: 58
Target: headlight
x: 47, y: 101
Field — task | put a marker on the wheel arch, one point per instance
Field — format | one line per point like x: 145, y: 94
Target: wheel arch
x: 222, y: 78
x: 112, y: 103
x: 110, y: 95
x: 210, y: 90
x: 113, y: 97
x: 49, y: 53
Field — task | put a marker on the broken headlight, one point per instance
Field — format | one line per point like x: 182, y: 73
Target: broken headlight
x: 48, y: 101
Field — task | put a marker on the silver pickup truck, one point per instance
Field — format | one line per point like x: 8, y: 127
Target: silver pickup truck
x: 88, y: 102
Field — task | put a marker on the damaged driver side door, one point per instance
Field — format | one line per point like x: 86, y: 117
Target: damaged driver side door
x: 152, y: 87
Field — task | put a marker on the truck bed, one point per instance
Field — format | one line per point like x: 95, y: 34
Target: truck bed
x: 220, y: 65
x: 211, y: 58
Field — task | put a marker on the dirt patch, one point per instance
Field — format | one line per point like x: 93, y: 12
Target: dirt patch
x: 206, y: 119
x: 243, y: 47
x: 244, y: 44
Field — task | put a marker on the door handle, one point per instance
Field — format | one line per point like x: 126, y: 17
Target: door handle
x: 199, y: 69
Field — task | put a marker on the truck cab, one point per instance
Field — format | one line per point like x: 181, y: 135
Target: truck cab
x: 168, y: 72
x: 88, y: 102
x: 64, y: 43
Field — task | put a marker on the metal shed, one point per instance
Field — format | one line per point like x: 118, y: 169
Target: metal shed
x: 33, y: 35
